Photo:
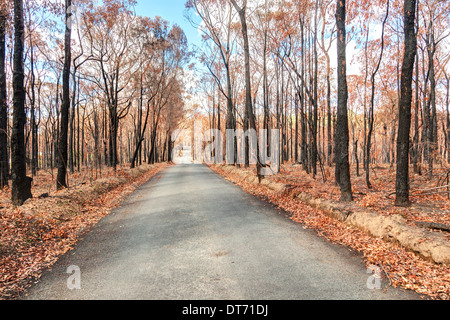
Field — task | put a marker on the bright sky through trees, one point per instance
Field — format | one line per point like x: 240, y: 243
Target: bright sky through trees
x: 172, y: 11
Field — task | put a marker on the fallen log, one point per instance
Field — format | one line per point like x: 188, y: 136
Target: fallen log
x: 433, y: 225
x: 330, y: 208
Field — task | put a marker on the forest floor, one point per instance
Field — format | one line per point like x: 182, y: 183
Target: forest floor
x: 36, y: 234
x: 401, y: 267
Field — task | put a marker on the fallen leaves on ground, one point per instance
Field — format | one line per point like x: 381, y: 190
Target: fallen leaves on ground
x: 426, y: 207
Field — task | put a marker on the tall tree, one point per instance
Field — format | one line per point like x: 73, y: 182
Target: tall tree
x: 404, y: 126
x: 447, y: 108
x: 325, y: 49
x: 342, y: 135
x: 249, y: 115
x: 372, y: 103
x: 314, y: 102
x: 61, y: 180
x: 415, y: 149
x: 4, y: 163
x: 21, y: 184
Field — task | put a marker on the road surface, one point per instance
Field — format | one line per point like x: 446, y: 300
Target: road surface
x: 188, y: 234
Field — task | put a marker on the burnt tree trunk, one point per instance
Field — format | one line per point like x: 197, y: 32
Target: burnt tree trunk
x: 33, y: 124
x: 404, y: 126
x: 342, y: 135
x: 416, y: 149
x: 4, y: 163
x: 21, y: 184
x: 61, y: 181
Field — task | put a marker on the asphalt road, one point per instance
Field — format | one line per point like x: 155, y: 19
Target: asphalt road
x: 188, y: 234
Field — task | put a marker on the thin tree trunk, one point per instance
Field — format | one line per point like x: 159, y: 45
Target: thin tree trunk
x: 33, y: 125
x: 315, y: 128
x: 366, y: 162
x: 329, y: 134
x: 266, y: 85
x: 426, y: 112
x: 416, y: 112
x: 432, y: 131
x: 447, y: 105
x: 251, y: 123
x: 304, y: 127
x: 372, y: 103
